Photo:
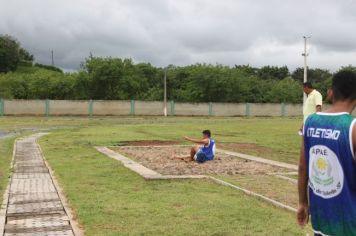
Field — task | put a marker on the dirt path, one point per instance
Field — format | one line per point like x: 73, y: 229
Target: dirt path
x: 34, y: 205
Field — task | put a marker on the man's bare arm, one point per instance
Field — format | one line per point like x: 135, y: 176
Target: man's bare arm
x: 303, y: 209
x: 354, y: 139
x: 302, y: 177
x: 197, y: 141
x: 318, y: 108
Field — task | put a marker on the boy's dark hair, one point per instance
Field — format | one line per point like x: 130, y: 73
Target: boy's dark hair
x: 207, y: 132
x: 344, y: 85
x: 307, y: 85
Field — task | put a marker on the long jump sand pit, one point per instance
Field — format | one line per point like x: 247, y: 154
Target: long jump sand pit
x: 159, y: 158
x: 252, y: 177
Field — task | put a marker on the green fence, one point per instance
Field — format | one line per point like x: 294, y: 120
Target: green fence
x: 90, y: 107
x: 2, y: 107
x: 132, y: 107
x: 172, y: 108
x: 46, y: 107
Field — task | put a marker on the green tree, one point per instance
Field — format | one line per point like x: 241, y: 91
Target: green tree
x: 315, y: 75
x: 25, y: 55
x: 287, y: 90
x: 104, y: 75
x: 9, y: 53
x: 349, y: 68
x: 273, y: 72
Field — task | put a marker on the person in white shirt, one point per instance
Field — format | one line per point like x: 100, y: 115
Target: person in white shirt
x: 313, y: 103
x: 314, y: 100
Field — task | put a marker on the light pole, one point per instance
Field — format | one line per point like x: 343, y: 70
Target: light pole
x: 52, y: 57
x: 305, y: 55
x: 165, y: 92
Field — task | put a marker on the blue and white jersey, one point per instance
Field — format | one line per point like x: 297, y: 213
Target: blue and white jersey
x: 209, y: 149
x: 332, y: 173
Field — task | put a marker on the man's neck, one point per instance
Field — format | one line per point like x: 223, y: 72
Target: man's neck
x: 341, y: 106
x: 310, y: 92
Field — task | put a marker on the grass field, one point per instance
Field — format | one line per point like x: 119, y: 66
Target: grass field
x: 6, y: 146
x: 110, y: 200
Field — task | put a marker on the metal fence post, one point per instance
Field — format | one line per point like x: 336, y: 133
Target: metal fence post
x: 283, y: 109
x: 132, y: 109
x: 210, y: 108
x: 90, y: 107
x: 248, y: 109
x: 172, y: 108
x: 2, y: 107
x: 47, y: 107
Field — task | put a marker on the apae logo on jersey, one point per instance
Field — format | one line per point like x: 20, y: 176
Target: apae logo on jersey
x: 326, y: 176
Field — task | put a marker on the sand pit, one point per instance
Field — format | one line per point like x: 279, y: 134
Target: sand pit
x: 160, y: 160
x: 148, y: 143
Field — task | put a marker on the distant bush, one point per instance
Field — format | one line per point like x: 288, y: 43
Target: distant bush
x: 25, y: 63
x: 48, y: 67
x: 38, y: 84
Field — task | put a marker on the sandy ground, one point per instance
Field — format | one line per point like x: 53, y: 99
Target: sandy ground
x: 148, y: 143
x: 160, y: 159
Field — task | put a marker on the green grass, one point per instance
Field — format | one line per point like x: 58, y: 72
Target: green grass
x: 278, y: 135
x: 270, y: 186
x: 111, y: 200
x: 6, y: 147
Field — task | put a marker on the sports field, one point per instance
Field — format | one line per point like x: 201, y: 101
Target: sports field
x: 111, y: 200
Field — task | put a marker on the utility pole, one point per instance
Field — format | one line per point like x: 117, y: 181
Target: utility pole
x: 165, y: 91
x: 305, y: 55
x: 52, y: 58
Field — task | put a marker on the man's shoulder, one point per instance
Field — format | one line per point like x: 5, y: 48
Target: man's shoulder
x: 316, y: 93
x: 311, y: 118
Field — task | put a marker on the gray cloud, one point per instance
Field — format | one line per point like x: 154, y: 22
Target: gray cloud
x: 181, y: 32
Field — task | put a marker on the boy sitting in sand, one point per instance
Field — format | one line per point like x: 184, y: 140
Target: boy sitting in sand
x: 204, y: 150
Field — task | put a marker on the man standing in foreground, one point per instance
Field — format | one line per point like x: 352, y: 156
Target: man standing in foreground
x: 314, y: 100
x: 327, y: 163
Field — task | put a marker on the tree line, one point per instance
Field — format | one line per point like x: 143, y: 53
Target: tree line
x: 122, y: 79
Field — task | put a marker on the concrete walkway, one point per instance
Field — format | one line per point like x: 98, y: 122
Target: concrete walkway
x: 33, y: 203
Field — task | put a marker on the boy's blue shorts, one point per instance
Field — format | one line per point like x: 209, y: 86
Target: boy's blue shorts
x: 200, y: 156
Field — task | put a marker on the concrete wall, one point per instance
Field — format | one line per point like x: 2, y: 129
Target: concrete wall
x: 293, y: 110
x: 123, y: 108
x: 149, y: 108
x: 265, y: 109
x: 111, y: 108
x: 191, y: 109
x: 24, y: 107
x: 229, y: 109
x: 66, y: 107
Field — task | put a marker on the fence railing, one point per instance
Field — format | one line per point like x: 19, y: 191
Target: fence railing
x: 143, y: 108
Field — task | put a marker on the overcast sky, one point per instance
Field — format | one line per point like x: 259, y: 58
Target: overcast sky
x: 181, y: 32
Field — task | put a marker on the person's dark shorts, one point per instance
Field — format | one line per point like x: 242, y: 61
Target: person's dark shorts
x: 200, y: 157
